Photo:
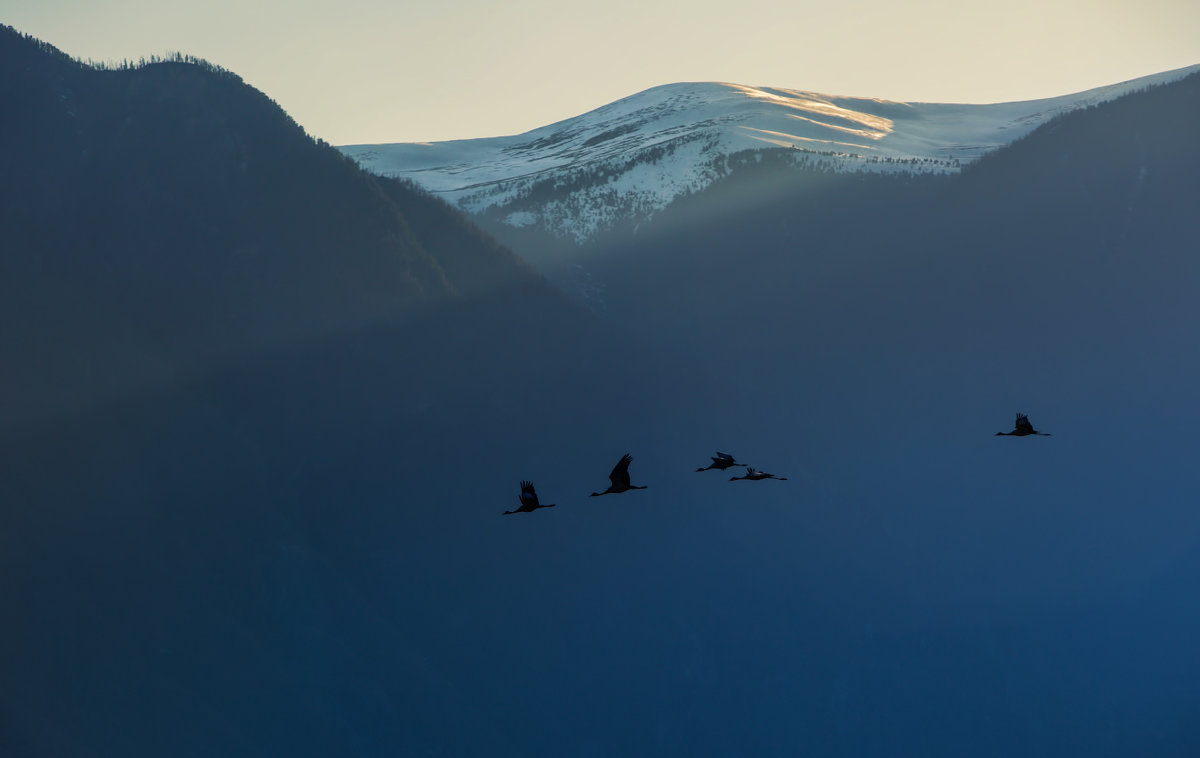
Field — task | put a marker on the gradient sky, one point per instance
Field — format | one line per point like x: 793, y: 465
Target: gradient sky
x: 357, y: 71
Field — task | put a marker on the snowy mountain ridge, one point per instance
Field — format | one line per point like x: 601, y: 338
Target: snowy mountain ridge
x: 633, y: 157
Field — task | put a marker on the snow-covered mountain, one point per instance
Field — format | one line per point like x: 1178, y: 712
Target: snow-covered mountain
x: 631, y: 158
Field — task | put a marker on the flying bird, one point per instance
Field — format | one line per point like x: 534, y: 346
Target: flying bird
x: 754, y: 474
x: 1022, y: 428
x: 529, y: 500
x: 620, y: 478
x: 721, y: 461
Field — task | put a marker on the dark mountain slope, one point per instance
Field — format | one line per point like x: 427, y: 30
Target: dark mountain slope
x: 166, y: 217
x: 256, y: 403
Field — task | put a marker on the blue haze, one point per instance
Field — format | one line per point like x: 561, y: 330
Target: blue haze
x: 305, y: 554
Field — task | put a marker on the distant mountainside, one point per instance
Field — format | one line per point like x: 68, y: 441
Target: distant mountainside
x: 1066, y: 256
x: 625, y: 162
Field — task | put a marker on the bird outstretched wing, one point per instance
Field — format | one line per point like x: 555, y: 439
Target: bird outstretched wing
x: 620, y: 473
x: 528, y: 494
x: 1023, y: 422
x: 723, y: 457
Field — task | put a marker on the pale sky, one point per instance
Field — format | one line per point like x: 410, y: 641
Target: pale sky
x: 358, y: 71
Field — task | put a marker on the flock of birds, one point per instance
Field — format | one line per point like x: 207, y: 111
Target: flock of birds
x: 620, y: 481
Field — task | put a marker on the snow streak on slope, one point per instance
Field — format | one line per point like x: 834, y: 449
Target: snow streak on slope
x: 631, y: 158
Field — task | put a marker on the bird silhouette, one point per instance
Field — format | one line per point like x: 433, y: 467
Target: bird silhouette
x: 721, y: 461
x: 529, y: 500
x: 1022, y: 428
x: 620, y: 478
x: 754, y: 475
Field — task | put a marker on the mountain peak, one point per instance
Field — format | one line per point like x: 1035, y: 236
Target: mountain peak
x: 632, y: 157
